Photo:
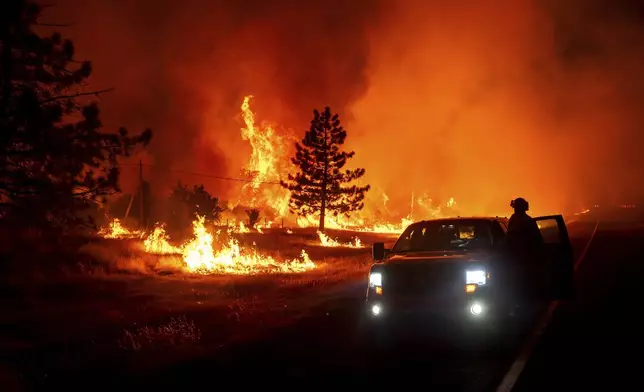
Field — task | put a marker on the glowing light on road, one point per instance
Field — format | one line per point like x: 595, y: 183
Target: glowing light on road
x: 376, y: 310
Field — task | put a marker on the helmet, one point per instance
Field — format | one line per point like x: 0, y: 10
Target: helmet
x: 520, y: 204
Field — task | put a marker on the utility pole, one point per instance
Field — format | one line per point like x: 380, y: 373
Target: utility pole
x: 129, y: 206
x: 141, y: 212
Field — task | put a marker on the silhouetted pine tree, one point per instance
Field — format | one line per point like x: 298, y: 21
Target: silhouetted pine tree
x: 205, y: 204
x: 253, y: 217
x: 319, y: 186
x: 186, y: 204
x: 54, y: 157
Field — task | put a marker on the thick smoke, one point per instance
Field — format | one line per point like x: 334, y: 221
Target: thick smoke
x: 183, y: 68
x: 477, y: 100
x: 489, y: 100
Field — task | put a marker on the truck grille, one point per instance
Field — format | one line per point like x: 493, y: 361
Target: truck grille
x: 423, y: 280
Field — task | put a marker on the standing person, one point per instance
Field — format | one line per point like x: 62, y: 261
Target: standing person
x: 525, y: 244
x: 523, y: 231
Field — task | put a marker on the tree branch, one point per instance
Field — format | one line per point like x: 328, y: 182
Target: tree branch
x: 94, y: 190
x: 54, y: 24
x: 72, y: 96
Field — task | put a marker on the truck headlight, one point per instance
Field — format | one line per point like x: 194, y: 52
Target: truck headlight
x: 375, y: 279
x: 477, y: 308
x: 478, y: 277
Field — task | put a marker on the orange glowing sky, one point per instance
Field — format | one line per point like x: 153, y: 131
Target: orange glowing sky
x: 482, y: 101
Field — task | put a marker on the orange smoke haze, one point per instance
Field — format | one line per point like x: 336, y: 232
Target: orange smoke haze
x: 489, y: 100
x: 477, y: 100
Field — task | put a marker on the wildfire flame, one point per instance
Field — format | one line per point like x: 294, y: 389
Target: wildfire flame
x: 327, y: 241
x: 117, y: 230
x: 158, y: 242
x: 242, y: 228
x: 268, y: 159
x: 199, y: 254
x: 200, y: 257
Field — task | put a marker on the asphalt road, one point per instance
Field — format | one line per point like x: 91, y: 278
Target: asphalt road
x: 591, y: 339
x: 595, y: 342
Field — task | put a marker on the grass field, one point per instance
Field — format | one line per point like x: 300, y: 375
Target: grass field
x: 108, y: 301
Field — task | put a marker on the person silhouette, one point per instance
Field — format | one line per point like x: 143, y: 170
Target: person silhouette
x: 525, y: 244
x: 523, y: 231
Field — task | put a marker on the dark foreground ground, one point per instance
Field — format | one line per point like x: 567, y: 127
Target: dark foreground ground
x: 592, y: 340
x: 595, y: 342
x: 589, y: 339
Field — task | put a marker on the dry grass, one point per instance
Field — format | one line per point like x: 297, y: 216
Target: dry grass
x: 129, y: 256
x: 107, y: 298
x: 177, y: 331
x: 126, y: 256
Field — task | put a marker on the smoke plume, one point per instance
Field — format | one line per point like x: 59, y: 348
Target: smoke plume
x: 482, y: 101
x: 183, y: 68
x: 489, y: 100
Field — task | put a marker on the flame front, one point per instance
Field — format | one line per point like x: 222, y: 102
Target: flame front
x: 266, y: 163
x: 242, y: 228
x: 158, y: 242
x: 199, y: 254
x: 117, y: 230
x: 269, y: 161
x: 200, y: 257
x: 327, y: 241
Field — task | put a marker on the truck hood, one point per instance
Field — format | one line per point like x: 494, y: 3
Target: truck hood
x: 433, y: 257
x: 438, y: 274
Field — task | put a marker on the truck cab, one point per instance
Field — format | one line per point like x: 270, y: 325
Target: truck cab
x: 457, y: 267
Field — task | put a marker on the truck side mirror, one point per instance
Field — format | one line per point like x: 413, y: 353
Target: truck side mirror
x: 378, y: 251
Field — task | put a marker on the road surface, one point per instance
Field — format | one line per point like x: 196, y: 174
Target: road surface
x: 591, y: 340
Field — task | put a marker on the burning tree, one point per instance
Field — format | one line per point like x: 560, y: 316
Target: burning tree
x: 318, y: 187
x: 55, y: 159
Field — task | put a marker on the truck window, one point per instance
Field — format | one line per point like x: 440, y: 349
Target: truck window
x: 444, y: 235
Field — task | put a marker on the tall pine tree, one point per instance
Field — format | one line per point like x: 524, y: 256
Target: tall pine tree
x: 321, y: 186
x: 55, y: 158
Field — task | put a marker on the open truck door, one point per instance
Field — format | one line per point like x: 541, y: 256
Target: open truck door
x: 559, y: 271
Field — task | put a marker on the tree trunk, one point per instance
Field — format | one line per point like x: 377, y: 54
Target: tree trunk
x: 324, y: 180
x: 322, y: 207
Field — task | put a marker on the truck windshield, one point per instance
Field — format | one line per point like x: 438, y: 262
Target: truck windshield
x: 444, y: 235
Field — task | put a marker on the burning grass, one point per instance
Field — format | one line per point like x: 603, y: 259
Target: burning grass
x: 272, y: 252
x: 230, y: 251
x: 207, y: 252
x: 325, y: 240
x: 121, y: 300
x: 117, y: 230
